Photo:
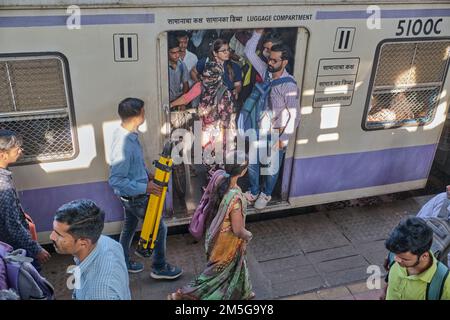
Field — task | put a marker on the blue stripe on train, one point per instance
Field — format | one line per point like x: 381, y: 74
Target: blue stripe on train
x: 309, y: 176
x: 360, y: 170
x: 85, y: 19
x: 385, y: 14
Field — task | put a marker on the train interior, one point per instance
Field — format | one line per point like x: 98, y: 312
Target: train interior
x: 189, y: 180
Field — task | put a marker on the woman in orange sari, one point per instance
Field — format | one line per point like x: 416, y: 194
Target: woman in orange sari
x: 226, y: 274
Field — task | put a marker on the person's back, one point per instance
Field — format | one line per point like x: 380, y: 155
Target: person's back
x: 104, y: 274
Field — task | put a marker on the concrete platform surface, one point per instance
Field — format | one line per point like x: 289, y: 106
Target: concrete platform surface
x: 323, y: 255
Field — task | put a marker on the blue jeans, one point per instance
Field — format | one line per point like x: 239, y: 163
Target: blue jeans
x: 134, y: 211
x: 269, y: 181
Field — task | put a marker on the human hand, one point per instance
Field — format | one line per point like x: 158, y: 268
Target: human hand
x: 278, y: 146
x: 249, y: 236
x: 43, y: 256
x: 260, y: 31
x: 153, y: 188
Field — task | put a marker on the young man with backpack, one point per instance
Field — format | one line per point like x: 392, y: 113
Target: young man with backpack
x: 14, y: 228
x: 282, y: 108
x: 414, y: 272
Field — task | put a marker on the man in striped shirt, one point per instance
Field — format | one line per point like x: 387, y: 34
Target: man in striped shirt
x: 100, y: 272
x: 284, y: 103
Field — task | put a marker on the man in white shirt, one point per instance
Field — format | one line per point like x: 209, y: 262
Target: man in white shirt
x: 189, y: 59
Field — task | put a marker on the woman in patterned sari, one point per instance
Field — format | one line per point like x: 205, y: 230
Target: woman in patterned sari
x: 215, y: 107
x: 226, y: 275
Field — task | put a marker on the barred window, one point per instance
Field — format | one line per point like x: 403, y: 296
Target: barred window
x: 407, y: 83
x: 35, y: 103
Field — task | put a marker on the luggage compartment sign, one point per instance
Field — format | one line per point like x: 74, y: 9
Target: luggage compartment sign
x: 335, y: 82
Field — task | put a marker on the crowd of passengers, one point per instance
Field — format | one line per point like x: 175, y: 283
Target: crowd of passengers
x: 200, y: 64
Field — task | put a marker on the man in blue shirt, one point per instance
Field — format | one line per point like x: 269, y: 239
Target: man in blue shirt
x: 178, y: 72
x: 133, y: 183
x: 14, y: 228
x: 100, y: 272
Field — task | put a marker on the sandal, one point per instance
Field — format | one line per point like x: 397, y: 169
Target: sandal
x: 174, y: 296
x: 251, y: 296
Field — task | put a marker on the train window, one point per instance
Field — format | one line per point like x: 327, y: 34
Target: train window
x: 34, y: 102
x: 406, y: 83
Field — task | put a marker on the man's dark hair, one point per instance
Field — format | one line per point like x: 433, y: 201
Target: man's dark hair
x: 9, y: 140
x: 84, y: 217
x: 284, y: 49
x: 411, y: 234
x: 172, y: 42
x: 181, y: 34
x: 130, y: 107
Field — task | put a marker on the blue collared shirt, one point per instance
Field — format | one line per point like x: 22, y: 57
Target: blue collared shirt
x: 103, y: 274
x: 128, y: 175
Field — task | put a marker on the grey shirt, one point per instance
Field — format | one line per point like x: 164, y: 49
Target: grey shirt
x: 177, y: 77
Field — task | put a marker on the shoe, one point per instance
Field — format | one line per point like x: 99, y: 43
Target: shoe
x: 262, y: 201
x: 135, y: 267
x: 143, y: 253
x: 168, y: 272
x: 250, y: 197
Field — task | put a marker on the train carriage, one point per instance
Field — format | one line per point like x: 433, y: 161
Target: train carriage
x: 372, y: 76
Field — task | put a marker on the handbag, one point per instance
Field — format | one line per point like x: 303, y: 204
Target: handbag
x: 31, y: 226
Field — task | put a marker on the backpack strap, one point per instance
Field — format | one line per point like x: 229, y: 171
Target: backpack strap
x: 436, y: 286
x: 279, y: 81
x: 266, y: 76
x: 390, y: 262
x: 391, y: 259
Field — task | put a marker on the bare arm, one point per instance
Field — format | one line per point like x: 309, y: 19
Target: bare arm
x: 238, y: 223
x: 194, y: 92
x: 250, y: 52
x: 181, y: 101
x: 237, y: 89
x: 194, y: 74
x: 185, y: 87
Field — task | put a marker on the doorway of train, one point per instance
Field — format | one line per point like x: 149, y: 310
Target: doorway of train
x: 184, y: 55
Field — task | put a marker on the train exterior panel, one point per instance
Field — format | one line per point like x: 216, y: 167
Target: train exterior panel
x: 345, y: 60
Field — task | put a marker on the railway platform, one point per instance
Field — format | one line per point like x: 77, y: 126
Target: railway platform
x: 321, y: 255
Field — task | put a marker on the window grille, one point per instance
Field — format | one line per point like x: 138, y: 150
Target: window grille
x: 407, y: 83
x: 34, y: 102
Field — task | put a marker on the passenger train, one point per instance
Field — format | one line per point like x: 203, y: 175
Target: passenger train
x: 372, y: 76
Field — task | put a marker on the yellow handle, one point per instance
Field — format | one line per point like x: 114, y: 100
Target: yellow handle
x: 155, y: 206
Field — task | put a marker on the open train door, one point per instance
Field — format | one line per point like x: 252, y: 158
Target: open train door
x: 162, y: 80
x: 178, y: 191
x: 299, y: 67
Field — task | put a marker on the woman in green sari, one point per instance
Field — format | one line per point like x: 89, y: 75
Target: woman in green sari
x: 226, y: 274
